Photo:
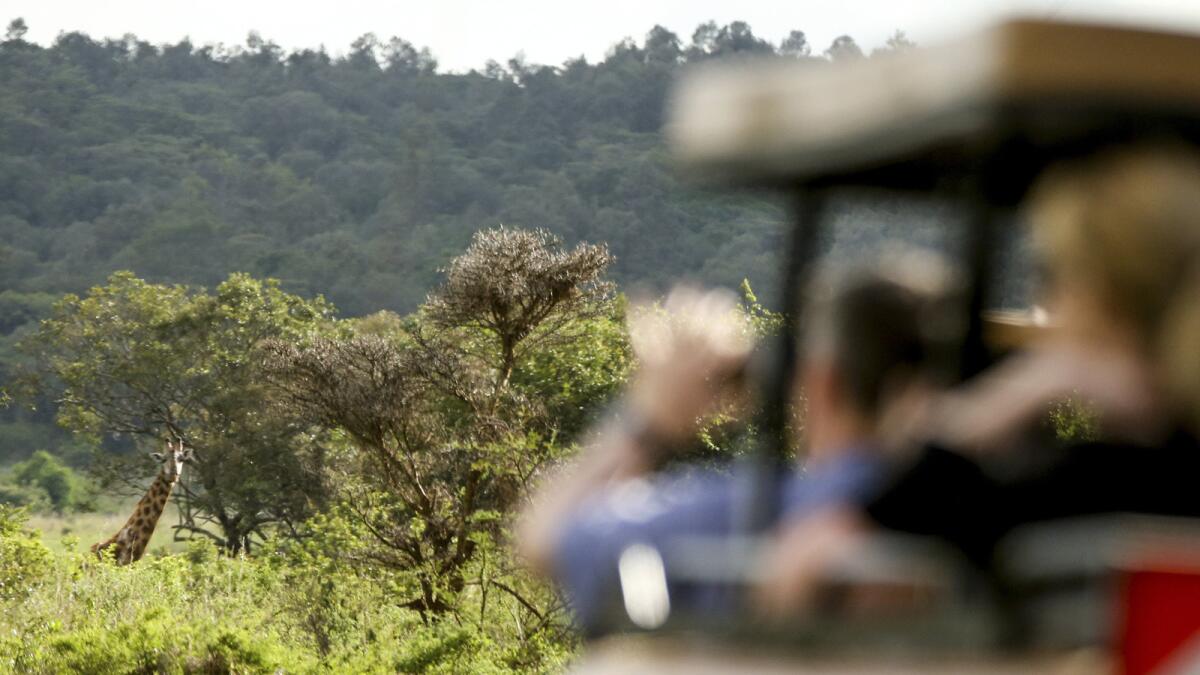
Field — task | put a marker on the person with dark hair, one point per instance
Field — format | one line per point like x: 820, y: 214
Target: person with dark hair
x: 1119, y: 235
x: 867, y: 353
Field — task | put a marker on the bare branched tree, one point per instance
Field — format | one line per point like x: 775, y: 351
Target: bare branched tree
x: 444, y: 434
x: 522, y: 287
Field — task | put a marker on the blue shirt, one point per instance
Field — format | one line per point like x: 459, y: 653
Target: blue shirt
x: 692, y: 503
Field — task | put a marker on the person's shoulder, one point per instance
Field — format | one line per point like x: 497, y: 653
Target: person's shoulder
x: 683, y: 497
x: 845, y: 479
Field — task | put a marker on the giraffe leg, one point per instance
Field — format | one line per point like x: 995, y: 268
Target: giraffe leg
x: 139, y: 549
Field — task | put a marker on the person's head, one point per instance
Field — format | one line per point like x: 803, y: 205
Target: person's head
x: 872, y: 339
x: 1119, y: 237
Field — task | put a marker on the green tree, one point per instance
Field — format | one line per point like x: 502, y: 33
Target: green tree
x: 144, y: 360
x: 736, y: 38
x: 65, y: 489
x: 795, y: 45
x: 16, y: 30
x: 662, y: 46
x: 402, y: 57
x: 437, y: 406
x: 844, y: 48
x: 897, y: 42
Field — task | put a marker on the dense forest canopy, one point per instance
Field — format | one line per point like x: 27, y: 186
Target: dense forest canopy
x: 355, y: 176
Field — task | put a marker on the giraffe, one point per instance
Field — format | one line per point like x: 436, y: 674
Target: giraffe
x: 130, y: 542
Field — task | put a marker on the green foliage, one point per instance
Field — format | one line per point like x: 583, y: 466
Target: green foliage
x: 18, y: 309
x: 65, y: 490
x: 502, y: 621
x: 32, y: 497
x: 1074, y: 419
x: 300, y: 609
x: 763, y: 321
x: 355, y: 176
x: 145, y: 360
x: 433, y: 426
x: 454, y: 410
x: 168, y: 615
x: 24, y: 560
x: 26, y: 431
x: 729, y: 431
x: 150, y: 642
x: 574, y: 380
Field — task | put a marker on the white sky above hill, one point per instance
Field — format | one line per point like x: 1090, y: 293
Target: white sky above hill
x: 464, y: 34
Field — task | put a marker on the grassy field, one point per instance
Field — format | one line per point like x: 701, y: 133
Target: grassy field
x: 299, y: 610
x: 88, y: 528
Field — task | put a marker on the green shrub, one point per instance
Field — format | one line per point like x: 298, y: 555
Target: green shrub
x: 155, y: 616
x: 32, y: 497
x: 24, y: 559
x: 443, y: 648
x: 310, y: 605
x: 66, y: 490
x: 156, y: 641
x: 1074, y: 420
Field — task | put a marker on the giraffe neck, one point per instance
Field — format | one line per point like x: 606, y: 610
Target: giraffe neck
x: 154, y: 501
x: 145, y: 515
x: 130, y: 542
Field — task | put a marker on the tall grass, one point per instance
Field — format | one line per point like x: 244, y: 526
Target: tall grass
x: 61, y: 532
x: 293, y: 610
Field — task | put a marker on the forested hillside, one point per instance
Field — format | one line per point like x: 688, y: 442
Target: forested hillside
x: 354, y: 176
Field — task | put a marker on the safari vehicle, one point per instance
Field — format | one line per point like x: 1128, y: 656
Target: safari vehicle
x: 974, y: 123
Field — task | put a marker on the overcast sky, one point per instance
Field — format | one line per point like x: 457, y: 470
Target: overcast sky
x: 464, y: 34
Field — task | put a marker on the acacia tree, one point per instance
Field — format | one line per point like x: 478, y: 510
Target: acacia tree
x: 145, y: 361
x: 522, y: 290
x: 448, y: 433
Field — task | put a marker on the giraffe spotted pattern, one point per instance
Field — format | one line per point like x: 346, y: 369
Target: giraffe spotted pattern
x: 129, y: 543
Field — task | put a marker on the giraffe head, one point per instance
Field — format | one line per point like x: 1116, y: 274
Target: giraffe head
x: 173, y: 459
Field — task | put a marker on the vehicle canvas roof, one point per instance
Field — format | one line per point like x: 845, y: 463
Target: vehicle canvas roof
x: 1022, y: 93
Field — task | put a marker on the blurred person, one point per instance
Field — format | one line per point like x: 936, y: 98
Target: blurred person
x: 1119, y: 235
x: 866, y: 353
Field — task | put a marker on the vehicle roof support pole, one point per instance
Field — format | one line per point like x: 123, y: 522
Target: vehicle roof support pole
x: 777, y: 367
